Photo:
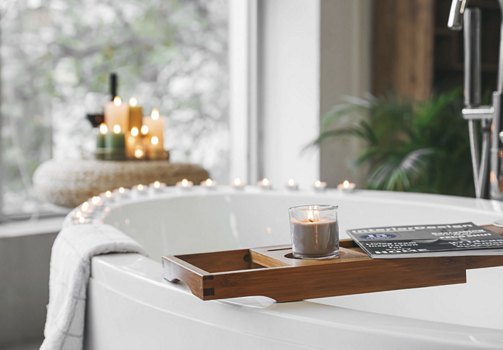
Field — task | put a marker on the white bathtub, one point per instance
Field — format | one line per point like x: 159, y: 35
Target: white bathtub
x: 130, y: 306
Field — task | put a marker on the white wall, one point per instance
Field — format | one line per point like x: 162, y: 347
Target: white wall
x: 288, y: 89
x: 311, y: 54
x: 345, y: 28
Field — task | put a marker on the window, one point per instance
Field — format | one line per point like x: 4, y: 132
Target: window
x: 170, y: 54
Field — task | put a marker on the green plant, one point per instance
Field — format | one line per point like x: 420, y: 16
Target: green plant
x: 409, y: 146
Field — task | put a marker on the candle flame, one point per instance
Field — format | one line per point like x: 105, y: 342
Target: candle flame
x: 154, y: 140
x: 144, y: 130
x: 117, y: 129
x: 134, y: 131
x: 108, y: 194
x: 138, y: 153
x: 103, y: 128
x: 133, y: 102
x: 313, y: 215
x: 139, y: 187
x: 291, y: 182
x: 155, y: 114
x: 157, y: 184
x: 345, y: 184
x: 122, y: 190
x: 117, y: 101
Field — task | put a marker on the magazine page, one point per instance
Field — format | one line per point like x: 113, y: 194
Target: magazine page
x: 427, y: 240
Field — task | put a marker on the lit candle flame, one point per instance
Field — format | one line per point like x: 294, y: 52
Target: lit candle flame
x: 134, y: 131
x: 157, y: 184
x: 144, y: 130
x: 154, y: 140
x: 138, y: 153
x: 117, y: 129
x: 133, y: 102
x: 140, y: 187
x: 155, y: 114
x: 103, y: 129
x: 108, y: 194
x: 313, y: 215
x: 85, y: 207
x: 122, y: 190
x: 117, y: 101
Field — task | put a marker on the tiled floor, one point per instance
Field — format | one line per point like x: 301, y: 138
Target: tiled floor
x: 30, y: 345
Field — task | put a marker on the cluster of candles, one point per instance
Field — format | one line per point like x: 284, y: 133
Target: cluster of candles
x: 94, y: 209
x: 127, y: 134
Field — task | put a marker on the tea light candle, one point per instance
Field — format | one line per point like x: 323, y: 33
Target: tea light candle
x: 346, y: 186
x: 320, y: 186
x: 238, y: 184
x: 117, y: 113
x: 292, y: 185
x: 85, y: 207
x: 135, y: 114
x: 157, y: 186
x: 184, y: 184
x: 140, y: 189
x: 265, y: 184
x: 209, y: 184
x: 122, y: 192
x: 97, y: 201
x: 315, y: 231
x: 107, y: 197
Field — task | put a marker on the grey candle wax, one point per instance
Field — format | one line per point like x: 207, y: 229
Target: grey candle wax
x: 315, y: 232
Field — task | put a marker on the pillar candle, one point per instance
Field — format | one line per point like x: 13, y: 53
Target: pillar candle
x: 100, y: 141
x: 117, y: 113
x: 155, y: 149
x: 135, y: 114
x: 133, y: 140
x: 155, y: 124
x: 115, y: 144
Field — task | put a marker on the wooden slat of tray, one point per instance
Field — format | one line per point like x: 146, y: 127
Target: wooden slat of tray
x: 269, y: 271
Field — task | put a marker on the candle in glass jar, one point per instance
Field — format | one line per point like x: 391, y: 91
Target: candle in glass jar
x: 315, y: 231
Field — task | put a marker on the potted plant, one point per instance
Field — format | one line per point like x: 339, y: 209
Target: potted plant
x: 408, y: 146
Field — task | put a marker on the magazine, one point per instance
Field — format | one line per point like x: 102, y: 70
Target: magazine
x: 459, y: 239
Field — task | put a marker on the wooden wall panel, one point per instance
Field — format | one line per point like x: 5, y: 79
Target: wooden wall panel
x: 403, y: 37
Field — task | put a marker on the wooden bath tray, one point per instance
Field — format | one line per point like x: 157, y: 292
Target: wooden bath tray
x: 269, y: 271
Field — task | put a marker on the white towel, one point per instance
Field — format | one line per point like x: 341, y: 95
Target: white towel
x: 69, y: 274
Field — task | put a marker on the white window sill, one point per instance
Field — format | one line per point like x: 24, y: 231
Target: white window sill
x: 31, y: 227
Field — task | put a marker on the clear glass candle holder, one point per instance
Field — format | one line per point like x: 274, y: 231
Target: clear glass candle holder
x: 315, y: 231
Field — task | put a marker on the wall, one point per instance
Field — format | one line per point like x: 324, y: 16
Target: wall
x: 25, y: 251
x: 288, y: 89
x: 311, y: 54
x: 345, y: 71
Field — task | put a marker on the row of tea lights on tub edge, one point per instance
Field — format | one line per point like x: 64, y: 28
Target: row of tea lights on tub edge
x: 86, y: 212
x: 126, y: 133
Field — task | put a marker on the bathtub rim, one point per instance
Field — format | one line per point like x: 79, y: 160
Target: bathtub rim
x: 127, y: 266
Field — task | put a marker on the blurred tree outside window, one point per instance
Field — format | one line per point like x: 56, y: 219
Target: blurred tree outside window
x: 170, y: 54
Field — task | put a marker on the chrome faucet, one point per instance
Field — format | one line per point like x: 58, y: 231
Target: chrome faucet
x: 484, y: 120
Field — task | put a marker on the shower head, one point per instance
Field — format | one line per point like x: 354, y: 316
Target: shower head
x: 455, y: 21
